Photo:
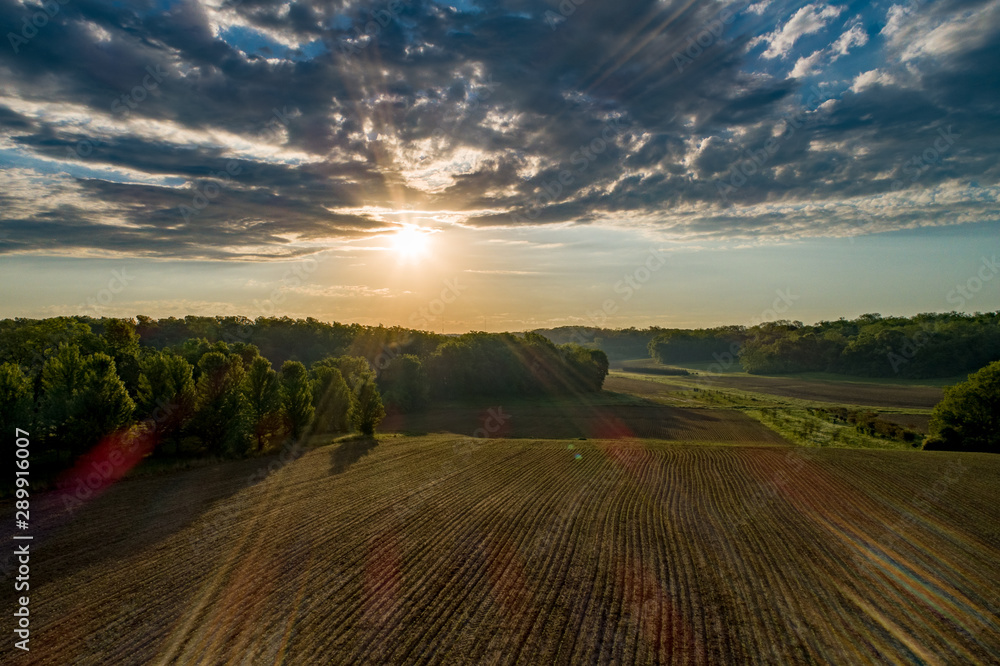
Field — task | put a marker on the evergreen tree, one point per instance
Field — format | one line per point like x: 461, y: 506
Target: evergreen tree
x: 121, y: 342
x: 332, y: 399
x: 61, y: 380
x: 263, y: 397
x: 83, y: 400
x: 296, y: 397
x: 166, y: 395
x: 221, y: 417
x: 368, y: 408
x: 103, y: 401
x: 15, y: 399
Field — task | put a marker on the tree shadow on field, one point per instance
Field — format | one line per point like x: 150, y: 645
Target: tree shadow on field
x: 350, y: 452
x: 132, y: 515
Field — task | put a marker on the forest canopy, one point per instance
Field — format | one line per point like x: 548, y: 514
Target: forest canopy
x: 923, y: 346
x: 229, y: 386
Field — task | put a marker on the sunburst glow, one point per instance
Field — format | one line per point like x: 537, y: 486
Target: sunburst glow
x: 411, y: 243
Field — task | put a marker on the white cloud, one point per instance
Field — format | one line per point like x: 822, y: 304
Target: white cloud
x: 949, y: 203
x: 871, y: 78
x: 435, y: 174
x: 896, y: 19
x: 856, y: 36
x: 807, y: 66
x: 924, y: 34
x: 29, y: 192
x: 808, y: 20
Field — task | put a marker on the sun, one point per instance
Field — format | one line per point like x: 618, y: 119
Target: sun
x: 410, y: 242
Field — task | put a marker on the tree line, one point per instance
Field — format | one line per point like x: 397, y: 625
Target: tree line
x: 922, y: 346
x: 198, y: 398
x: 677, y: 345
x: 618, y: 344
x: 203, y: 386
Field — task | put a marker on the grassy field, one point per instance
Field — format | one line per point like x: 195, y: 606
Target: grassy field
x: 450, y: 549
x: 819, y: 387
x: 734, y: 369
x: 793, y: 407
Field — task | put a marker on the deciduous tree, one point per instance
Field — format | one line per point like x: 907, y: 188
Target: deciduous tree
x: 968, y: 418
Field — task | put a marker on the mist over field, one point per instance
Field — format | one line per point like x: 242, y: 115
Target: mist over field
x: 521, y: 332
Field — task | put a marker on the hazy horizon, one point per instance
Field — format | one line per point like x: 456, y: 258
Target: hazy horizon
x: 808, y: 281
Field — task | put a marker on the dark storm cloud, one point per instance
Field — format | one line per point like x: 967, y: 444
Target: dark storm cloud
x: 13, y: 120
x: 528, y: 110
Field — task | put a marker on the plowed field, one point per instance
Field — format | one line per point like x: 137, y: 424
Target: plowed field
x: 548, y: 420
x: 841, y: 392
x: 444, y: 549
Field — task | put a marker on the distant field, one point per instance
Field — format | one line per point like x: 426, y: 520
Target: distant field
x: 821, y: 386
x: 875, y: 395
x: 602, y: 420
x: 648, y: 365
x: 449, y: 550
x: 642, y: 365
x: 900, y: 396
x: 642, y: 386
x: 795, y: 410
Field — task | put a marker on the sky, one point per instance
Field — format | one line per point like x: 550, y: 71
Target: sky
x: 478, y: 165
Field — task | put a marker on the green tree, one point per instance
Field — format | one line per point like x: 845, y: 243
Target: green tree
x: 968, y: 418
x: 15, y: 399
x: 166, y: 395
x: 83, y: 400
x: 104, y: 403
x: 29, y: 342
x: 263, y: 396
x: 296, y: 397
x: 61, y: 379
x: 368, y: 408
x: 247, y: 353
x: 350, y: 366
x: 588, y: 367
x: 332, y: 399
x: 120, y: 337
x: 221, y: 417
x: 404, y: 383
x: 121, y: 342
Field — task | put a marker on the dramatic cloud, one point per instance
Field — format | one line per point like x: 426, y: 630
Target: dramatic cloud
x: 256, y: 130
x: 809, y: 19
